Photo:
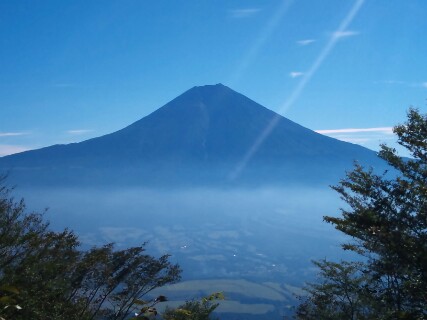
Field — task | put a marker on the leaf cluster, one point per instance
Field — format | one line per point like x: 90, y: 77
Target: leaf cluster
x: 195, y: 309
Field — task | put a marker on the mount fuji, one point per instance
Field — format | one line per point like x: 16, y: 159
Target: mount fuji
x: 209, y: 135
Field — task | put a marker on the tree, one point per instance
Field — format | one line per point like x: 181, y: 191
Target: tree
x: 338, y: 294
x: 386, y: 219
x: 195, y: 310
x: 50, y: 277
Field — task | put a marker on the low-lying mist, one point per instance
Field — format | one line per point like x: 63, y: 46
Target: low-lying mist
x: 253, y: 233
x: 256, y: 245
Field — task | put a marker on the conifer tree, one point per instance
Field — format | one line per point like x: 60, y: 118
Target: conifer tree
x: 386, y: 218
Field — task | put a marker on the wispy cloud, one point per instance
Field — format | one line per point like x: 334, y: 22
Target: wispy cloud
x: 305, y: 42
x: 13, y: 134
x: 243, y: 13
x: 404, y: 83
x: 392, y: 82
x: 384, y: 130
x: 296, y: 74
x: 344, y: 34
x: 79, y: 131
x: 6, y: 149
x: 367, y: 137
x: 369, y: 140
x: 355, y: 140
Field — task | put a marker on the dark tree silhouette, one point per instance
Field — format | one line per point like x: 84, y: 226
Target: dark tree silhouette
x: 386, y: 219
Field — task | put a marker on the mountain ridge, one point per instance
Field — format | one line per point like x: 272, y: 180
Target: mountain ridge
x: 205, y: 132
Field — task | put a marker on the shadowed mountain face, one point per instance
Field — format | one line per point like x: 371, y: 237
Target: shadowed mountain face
x: 202, y: 137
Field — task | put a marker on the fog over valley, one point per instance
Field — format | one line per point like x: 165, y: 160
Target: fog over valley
x: 259, y: 235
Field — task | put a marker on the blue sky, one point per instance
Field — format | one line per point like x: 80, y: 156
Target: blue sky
x: 73, y: 70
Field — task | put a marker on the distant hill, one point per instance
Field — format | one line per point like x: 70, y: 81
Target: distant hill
x: 202, y: 137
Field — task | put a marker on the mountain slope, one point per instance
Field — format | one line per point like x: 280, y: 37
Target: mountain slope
x: 200, y: 137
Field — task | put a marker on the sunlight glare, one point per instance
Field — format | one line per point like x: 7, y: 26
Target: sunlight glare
x: 298, y: 90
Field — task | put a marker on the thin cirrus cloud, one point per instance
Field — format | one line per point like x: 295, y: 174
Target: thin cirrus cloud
x: 344, y: 34
x: 13, y: 134
x: 78, y: 132
x: 392, y: 82
x: 355, y: 140
x: 243, y: 13
x: 305, y: 42
x: 296, y: 74
x: 383, y: 130
x: 7, y: 149
x: 404, y: 83
x: 368, y: 137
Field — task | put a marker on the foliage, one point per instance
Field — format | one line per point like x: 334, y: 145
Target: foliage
x: 57, y: 280
x: 8, y: 301
x: 343, y: 292
x: 387, y: 221
x: 194, y: 310
x: 147, y: 308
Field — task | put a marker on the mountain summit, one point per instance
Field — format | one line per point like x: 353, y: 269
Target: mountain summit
x: 208, y: 135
